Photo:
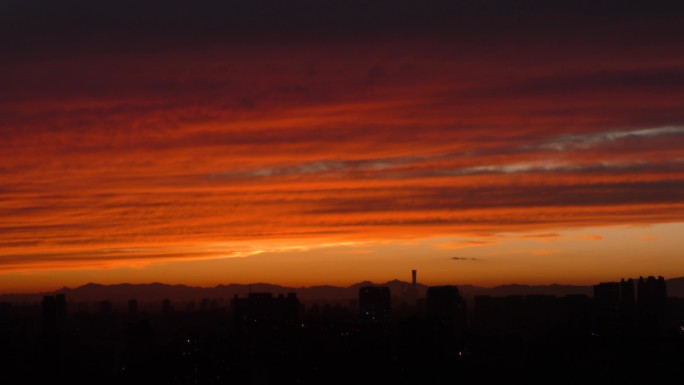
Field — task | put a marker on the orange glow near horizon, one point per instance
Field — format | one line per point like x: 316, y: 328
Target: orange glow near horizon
x: 231, y: 163
x: 567, y: 256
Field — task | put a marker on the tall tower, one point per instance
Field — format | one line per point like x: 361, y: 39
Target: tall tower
x: 414, y: 273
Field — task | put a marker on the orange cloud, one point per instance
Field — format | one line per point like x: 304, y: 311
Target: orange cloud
x: 466, y: 244
x: 541, y: 236
x: 128, y: 158
x: 590, y: 238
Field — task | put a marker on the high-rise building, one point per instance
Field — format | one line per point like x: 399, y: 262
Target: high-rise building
x: 446, y: 309
x: 374, y: 304
x: 607, y: 308
x: 106, y: 307
x: 618, y: 309
x: 627, y: 303
x: 49, y: 307
x: 54, y: 312
x: 263, y: 311
x: 651, y: 289
x: 607, y: 294
x: 167, y: 307
x: 60, y: 306
x: 651, y: 296
x: 132, y: 306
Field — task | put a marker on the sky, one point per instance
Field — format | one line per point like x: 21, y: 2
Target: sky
x: 308, y: 142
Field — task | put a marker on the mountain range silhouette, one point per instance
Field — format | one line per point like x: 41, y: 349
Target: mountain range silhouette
x: 157, y: 291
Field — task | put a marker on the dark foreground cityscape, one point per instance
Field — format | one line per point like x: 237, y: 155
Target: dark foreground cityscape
x: 627, y: 332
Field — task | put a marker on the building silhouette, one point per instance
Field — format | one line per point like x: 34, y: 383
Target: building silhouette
x: 49, y: 310
x: 607, y: 294
x: 60, y: 306
x: 262, y: 311
x: 167, y: 306
x: 651, y: 296
x: 627, y: 304
x: 106, y: 307
x: 54, y: 310
x: 446, y: 309
x: 607, y: 310
x: 132, y: 306
x: 374, y: 304
x: 578, y: 314
x: 619, y: 309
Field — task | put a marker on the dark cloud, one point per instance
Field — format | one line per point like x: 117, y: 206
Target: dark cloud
x: 125, y: 25
x: 538, y: 195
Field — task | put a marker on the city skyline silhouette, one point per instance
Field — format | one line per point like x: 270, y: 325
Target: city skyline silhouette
x: 262, y: 337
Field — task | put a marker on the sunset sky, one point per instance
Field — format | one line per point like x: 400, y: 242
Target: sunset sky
x: 329, y: 142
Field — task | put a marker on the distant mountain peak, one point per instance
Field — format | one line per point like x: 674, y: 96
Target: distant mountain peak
x: 363, y: 283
